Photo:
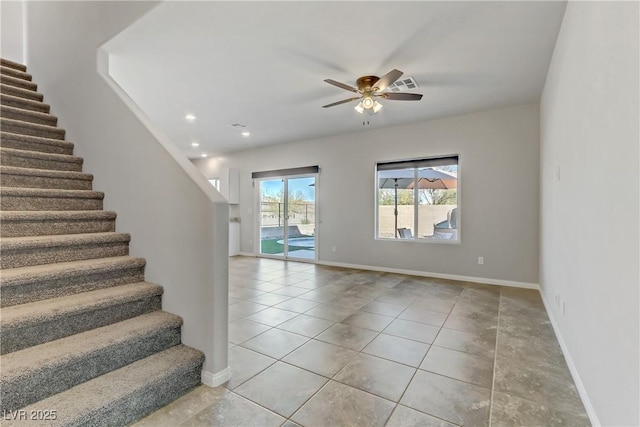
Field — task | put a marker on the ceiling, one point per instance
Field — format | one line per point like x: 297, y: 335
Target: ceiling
x: 262, y: 64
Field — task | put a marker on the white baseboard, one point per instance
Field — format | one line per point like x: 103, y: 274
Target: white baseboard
x: 483, y: 280
x: 249, y: 254
x: 582, y: 391
x: 214, y: 380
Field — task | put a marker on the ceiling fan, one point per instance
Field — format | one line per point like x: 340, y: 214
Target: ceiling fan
x: 371, y: 87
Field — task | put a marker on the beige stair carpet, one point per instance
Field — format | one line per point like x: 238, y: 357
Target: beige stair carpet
x: 84, y: 338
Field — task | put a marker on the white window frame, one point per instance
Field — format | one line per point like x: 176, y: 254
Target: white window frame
x: 418, y: 162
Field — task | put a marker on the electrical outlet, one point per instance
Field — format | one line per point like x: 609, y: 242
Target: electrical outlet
x: 481, y: 260
x: 333, y: 248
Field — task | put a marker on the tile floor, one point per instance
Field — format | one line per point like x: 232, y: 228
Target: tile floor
x: 312, y: 345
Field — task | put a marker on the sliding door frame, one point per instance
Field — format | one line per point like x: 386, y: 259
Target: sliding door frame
x: 258, y: 217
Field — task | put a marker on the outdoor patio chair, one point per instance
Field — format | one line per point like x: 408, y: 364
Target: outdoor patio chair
x: 405, y: 233
x: 450, y: 222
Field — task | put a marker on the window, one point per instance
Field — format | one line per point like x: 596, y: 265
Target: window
x: 418, y: 199
x: 215, y: 182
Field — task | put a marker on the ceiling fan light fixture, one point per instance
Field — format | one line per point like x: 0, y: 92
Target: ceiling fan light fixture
x: 367, y: 102
x: 371, y: 87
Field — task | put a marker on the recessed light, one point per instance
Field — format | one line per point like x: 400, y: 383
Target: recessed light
x: 203, y: 155
x: 246, y: 133
x: 195, y: 144
x: 190, y: 117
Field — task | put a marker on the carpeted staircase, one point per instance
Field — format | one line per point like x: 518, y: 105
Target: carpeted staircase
x: 84, y: 340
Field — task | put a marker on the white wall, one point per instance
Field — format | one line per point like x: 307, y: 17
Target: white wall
x: 171, y: 218
x: 12, y: 27
x: 589, y: 129
x: 498, y: 182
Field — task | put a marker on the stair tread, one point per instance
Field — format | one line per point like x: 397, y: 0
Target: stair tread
x: 6, y: 98
x: 78, y: 405
x: 50, y: 192
x: 52, y: 215
x: 46, y: 128
x: 20, y: 275
x: 41, y: 156
x: 25, y: 362
x: 46, y: 223
x: 38, y: 140
x: 46, y: 310
x: 62, y: 240
x: 12, y: 64
x: 15, y: 72
x: 20, y: 92
x: 37, y: 114
x: 18, y: 82
x: 49, y: 173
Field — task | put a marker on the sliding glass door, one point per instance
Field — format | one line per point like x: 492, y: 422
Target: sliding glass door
x: 287, y: 217
x: 301, y: 217
x: 272, y: 217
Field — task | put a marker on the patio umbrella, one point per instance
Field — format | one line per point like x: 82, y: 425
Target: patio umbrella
x: 435, y: 179
x: 428, y: 178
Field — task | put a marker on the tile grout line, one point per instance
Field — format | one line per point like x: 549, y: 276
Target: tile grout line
x: 419, y: 364
x: 495, y: 361
x: 328, y: 379
x: 307, y: 401
x: 378, y: 333
x: 260, y: 405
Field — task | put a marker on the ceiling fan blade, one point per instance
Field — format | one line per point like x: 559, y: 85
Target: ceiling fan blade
x: 344, y: 101
x: 402, y: 96
x: 342, y: 85
x: 388, y: 79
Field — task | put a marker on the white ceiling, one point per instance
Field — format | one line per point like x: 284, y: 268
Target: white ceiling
x: 262, y: 64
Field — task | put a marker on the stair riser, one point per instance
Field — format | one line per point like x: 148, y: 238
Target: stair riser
x: 24, y: 104
x: 152, y: 397
x: 56, y: 379
x: 12, y: 72
x: 18, y: 82
x: 30, y: 117
x: 11, y: 228
x: 21, y: 142
x: 64, y: 286
x: 19, y: 203
x: 49, y: 255
x: 30, y: 181
x: 22, y: 128
x: 10, y: 159
x: 14, y: 339
x: 21, y: 93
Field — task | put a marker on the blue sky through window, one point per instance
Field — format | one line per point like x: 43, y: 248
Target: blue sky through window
x: 303, y: 185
